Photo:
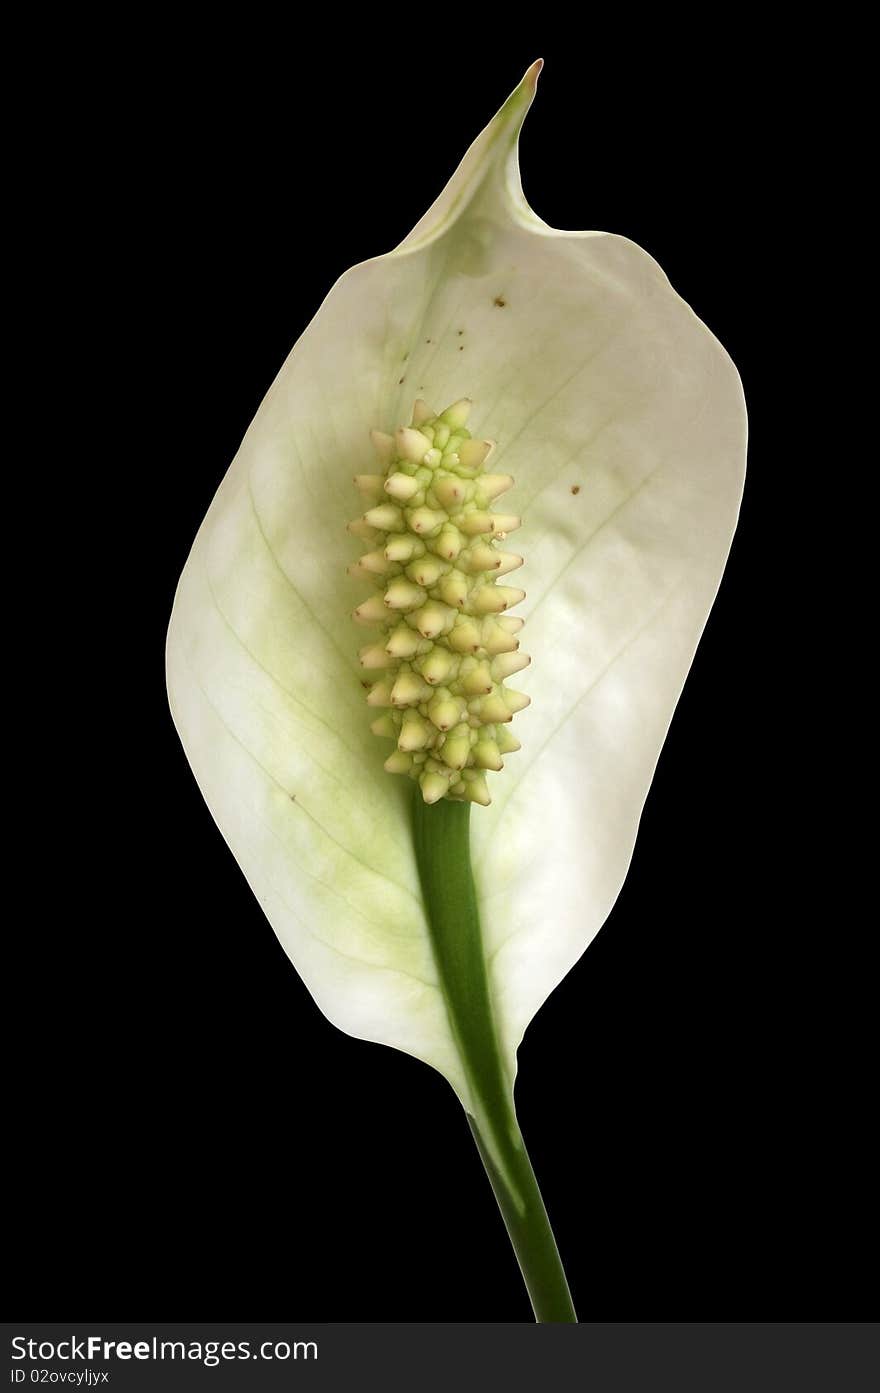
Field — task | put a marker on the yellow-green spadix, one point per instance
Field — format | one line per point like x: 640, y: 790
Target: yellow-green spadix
x: 438, y: 603
x: 621, y: 419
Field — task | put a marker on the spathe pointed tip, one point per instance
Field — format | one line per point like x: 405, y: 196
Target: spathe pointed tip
x: 524, y: 92
x: 491, y: 160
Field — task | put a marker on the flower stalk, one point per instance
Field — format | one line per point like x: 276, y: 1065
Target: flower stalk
x: 441, y: 835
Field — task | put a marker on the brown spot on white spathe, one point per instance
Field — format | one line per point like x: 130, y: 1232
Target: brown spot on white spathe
x: 575, y: 488
x: 500, y: 302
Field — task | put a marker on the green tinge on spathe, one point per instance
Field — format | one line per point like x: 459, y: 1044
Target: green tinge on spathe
x: 447, y: 644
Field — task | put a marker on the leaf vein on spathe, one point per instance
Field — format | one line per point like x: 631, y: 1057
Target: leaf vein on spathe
x: 606, y: 521
x: 271, y: 777
x: 354, y: 957
x: 333, y: 731
x: 343, y: 783
x: 377, y: 967
x: 359, y: 859
x: 535, y: 415
x: 418, y: 323
x: 441, y: 337
x: 522, y: 772
x: 316, y: 450
x: 585, y: 445
x: 383, y: 926
x: 588, y: 445
x: 330, y: 637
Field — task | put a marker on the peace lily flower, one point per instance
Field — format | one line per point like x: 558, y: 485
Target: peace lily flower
x: 621, y: 420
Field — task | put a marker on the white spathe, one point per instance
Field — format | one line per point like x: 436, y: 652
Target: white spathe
x: 622, y: 420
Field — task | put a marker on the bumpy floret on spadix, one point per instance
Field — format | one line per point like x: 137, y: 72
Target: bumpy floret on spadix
x: 446, y: 643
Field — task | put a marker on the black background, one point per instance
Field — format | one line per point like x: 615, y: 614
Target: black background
x: 189, y: 1137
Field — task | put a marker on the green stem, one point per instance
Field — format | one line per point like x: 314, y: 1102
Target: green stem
x: 442, y: 845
